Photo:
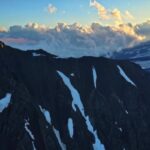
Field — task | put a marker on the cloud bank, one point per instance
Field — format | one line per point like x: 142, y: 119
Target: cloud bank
x: 75, y: 40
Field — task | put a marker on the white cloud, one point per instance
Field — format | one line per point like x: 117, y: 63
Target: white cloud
x: 36, y: 26
x: 51, y: 8
x: 143, y: 29
x: 102, y: 11
x: 129, y: 29
x: 111, y: 15
x: 128, y: 15
x: 116, y: 14
x: 72, y: 40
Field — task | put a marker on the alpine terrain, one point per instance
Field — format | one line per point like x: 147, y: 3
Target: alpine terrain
x: 50, y: 103
x: 139, y: 54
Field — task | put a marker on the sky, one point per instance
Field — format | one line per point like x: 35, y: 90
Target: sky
x: 69, y: 11
x: 23, y: 23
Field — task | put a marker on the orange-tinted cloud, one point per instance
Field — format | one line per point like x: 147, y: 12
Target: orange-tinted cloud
x: 113, y: 15
x: 15, y: 40
x: 102, y: 11
x: 66, y: 40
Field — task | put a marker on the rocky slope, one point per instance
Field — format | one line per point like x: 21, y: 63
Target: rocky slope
x: 48, y: 103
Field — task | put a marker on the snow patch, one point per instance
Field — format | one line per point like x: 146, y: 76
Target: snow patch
x: 36, y: 54
x: 94, y: 76
x: 30, y: 133
x: 28, y: 130
x: 70, y: 127
x: 144, y: 64
x: 123, y: 74
x: 4, y: 102
x: 62, y: 145
x: 33, y: 145
x: 126, y: 112
x: 120, y: 129
x: 72, y: 74
x: 75, y: 95
x: 48, y: 119
x: 46, y: 114
x: 97, y: 145
x: 77, y: 102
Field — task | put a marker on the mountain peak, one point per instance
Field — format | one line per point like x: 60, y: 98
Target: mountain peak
x: 76, y: 103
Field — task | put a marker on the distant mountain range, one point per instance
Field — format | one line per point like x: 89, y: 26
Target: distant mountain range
x: 88, y: 103
x: 139, y: 54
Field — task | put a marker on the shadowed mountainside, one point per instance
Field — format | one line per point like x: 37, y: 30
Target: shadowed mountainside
x: 76, y: 104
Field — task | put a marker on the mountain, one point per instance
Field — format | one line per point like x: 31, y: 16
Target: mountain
x: 139, y: 54
x: 72, y: 104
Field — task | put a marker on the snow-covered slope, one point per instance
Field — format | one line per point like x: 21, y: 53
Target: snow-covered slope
x: 139, y: 54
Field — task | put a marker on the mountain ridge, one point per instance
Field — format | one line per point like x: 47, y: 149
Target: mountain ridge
x: 139, y: 54
x: 107, y: 101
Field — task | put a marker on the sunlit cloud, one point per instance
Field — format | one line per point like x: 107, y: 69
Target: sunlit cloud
x: 102, y: 11
x: 144, y: 29
x: 129, y: 29
x: 116, y: 14
x: 76, y: 40
x: 128, y: 15
x: 37, y: 26
x: 111, y: 15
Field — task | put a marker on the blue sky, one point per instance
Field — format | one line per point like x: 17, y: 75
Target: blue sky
x: 21, y: 12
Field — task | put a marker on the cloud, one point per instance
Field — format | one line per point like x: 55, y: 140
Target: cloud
x: 14, y: 40
x: 102, y: 12
x: 112, y: 15
x: 128, y: 15
x: 51, y: 8
x: 2, y: 29
x: 66, y: 40
x: 129, y: 29
x: 36, y: 26
x: 116, y: 14
x: 143, y: 29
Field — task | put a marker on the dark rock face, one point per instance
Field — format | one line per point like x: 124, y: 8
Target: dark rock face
x: 42, y: 102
